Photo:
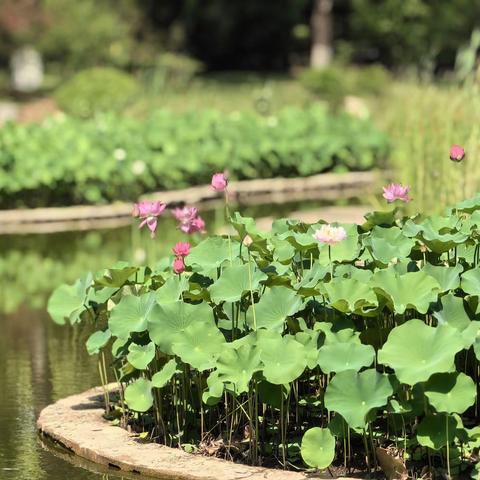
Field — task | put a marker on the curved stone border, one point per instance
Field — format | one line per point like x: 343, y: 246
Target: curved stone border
x: 326, y: 186
x: 77, y: 424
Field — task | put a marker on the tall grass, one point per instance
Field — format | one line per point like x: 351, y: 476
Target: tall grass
x: 423, y: 122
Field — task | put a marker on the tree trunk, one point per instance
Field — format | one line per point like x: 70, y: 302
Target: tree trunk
x: 321, y: 28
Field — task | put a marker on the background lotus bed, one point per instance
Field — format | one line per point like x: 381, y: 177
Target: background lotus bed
x: 69, y: 161
x: 272, y: 347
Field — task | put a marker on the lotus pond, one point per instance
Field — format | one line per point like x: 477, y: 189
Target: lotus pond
x: 318, y: 346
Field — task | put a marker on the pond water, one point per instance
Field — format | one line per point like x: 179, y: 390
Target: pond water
x: 41, y: 362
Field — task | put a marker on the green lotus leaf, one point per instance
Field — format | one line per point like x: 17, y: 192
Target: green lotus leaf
x: 387, y: 244
x: 384, y: 219
x: 452, y: 392
x: 311, y: 278
x: 168, y: 322
x: 411, y: 290
x: 235, y: 281
x: 199, y: 345
x: 215, y: 390
x: 351, y: 296
x: 282, y: 250
x: 97, y: 340
x: 283, y: 358
x: 237, y: 365
x: 139, y: 356
x: 453, y: 313
x: 416, y: 351
x: 432, y: 430
x: 271, y: 394
x: 172, y: 289
x: 211, y: 253
x: 138, y: 395
x: 161, y: 378
x: 115, y: 277
x: 120, y: 347
x: 447, y: 277
x: 468, y: 206
x: 246, y: 226
x: 342, y: 335
x: 130, y: 314
x: 353, y: 395
x: 350, y: 271
x: 275, y: 305
x: 338, y: 357
x: 318, y: 447
x: 345, y: 251
x: 309, y: 339
x: 67, y: 302
x: 471, y: 282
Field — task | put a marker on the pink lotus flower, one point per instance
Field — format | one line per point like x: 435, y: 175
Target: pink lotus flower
x: 189, y: 220
x: 219, y: 182
x: 396, y: 191
x: 330, y: 235
x: 149, y: 212
x: 181, y: 249
x: 457, y: 153
x: 178, y: 265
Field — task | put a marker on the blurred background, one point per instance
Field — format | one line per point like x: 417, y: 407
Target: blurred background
x: 104, y: 101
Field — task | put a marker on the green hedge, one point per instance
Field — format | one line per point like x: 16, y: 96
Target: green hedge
x: 70, y: 161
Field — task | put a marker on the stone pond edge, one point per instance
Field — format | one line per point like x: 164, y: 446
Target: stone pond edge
x: 77, y: 424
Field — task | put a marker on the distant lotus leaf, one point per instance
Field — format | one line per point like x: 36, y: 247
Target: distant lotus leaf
x: 384, y: 219
x: 67, y: 302
x: 246, y: 226
x: 416, y: 351
x: 138, y: 395
x: 453, y: 312
x: 275, y: 305
x: 432, y: 430
x: 161, y: 378
x: 338, y: 357
x: 345, y: 251
x: 238, y: 365
x: 318, y: 447
x: 211, y: 253
x: 139, y: 356
x: 168, y: 321
x: 283, y: 358
x: 353, y: 395
x: 411, y: 290
x: 452, y: 392
x: 130, y: 314
x: 349, y: 295
x: 447, y: 277
x: 97, y: 340
x: 471, y: 282
x: 389, y: 243
x: 199, y: 345
x: 235, y: 281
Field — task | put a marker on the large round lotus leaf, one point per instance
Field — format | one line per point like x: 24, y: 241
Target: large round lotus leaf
x: 351, y: 296
x: 275, y: 305
x: 138, y: 395
x: 67, y: 302
x: 309, y: 339
x: 338, y: 357
x: 130, y: 314
x: 452, y: 392
x: 416, y: 351
x: 283, y: 358
x: 199, y: 345
x: 345, y: 251
x: 318, y: 447
x: 168, y: 321
x: 211, y: 253
x: 350, y: 271
x: 389, y: 243
x: 447, y: 277
x: 471, y: 282
x: 432, y: 430
x: 172, y: 289
x: 139, y: 356
x: 452, y: 312
x: 411, y: 290
x: 270, y: 394
x: 97, y: 340
x: 235, y: 281
x: 161, y: 378
x: 283, y: 251
x: 237, y: 365
x: 353, y: 395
